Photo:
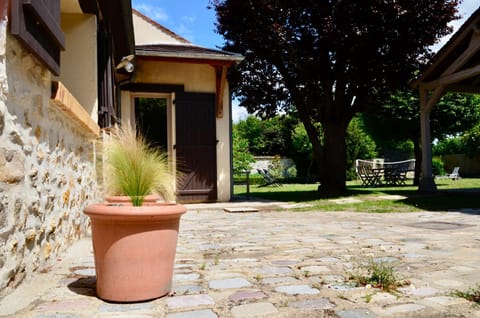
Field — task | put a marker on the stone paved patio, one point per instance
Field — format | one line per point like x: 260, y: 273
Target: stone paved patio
x: 283, y: 264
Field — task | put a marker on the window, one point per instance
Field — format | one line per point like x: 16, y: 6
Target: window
x: 37, y: 24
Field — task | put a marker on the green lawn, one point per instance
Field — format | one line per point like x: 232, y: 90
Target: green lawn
x: 454, y: 195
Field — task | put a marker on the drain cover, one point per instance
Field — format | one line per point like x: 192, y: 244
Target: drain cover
x: 436, y: 225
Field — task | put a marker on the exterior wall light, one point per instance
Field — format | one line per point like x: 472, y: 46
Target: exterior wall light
x: 126, y: 63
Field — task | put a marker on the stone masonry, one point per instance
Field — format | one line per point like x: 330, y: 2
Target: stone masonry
x: 47, y: 171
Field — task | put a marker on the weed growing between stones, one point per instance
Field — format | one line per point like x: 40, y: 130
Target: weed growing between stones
x: 472, y: 294
x: 379, y: 275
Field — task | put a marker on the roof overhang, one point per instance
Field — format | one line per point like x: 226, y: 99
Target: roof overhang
x: 187, y: 54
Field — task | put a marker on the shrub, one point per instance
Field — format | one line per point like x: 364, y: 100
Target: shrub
x: 438, y: 167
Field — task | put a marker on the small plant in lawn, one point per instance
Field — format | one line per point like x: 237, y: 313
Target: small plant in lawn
x: 379, y: 275
x: 472, y: 294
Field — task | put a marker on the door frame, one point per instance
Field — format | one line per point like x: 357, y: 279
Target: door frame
x: 171, y: 132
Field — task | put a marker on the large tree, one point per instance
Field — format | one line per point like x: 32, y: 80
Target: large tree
x: 327, y: 59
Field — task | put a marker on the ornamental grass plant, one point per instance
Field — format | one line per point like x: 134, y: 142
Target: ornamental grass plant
x: 136, y: 169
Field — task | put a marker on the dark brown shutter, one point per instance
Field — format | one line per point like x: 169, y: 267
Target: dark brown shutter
x: 106, y: 87
x: 37, y: 24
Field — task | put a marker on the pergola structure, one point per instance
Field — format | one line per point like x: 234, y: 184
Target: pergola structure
x: 455, y: 68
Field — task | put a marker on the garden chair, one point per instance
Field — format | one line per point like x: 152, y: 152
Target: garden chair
x: 268, y: 178
x: 454, y: 175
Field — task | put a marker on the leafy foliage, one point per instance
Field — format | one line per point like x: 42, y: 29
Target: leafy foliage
x: 471, y: 141
x: 438, y: 167
x: 359, y: 146
x: 242, y: 158
x: 285, y: 136
x: 448, y: 146
x: 327, y: 60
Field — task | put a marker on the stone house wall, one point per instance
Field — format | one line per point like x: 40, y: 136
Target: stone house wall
x: 47, y: 168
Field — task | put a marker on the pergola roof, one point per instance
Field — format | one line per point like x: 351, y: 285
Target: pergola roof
x: 456, y: 67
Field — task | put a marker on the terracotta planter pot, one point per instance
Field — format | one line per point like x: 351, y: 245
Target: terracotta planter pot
x: 134, y: 249
x: 126, y: 199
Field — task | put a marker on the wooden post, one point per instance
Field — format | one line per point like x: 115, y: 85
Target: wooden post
x: 427, y: 183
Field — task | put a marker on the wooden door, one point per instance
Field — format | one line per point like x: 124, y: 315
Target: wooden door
x: 195, y: 147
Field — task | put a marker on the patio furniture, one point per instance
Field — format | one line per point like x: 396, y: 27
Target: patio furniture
x: 370, y: 176
x: 268, y: 178
x: 375, y: 173
x: 454, y: 175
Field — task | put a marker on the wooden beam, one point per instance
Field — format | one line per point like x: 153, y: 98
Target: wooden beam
x: 221, y: 78
x: 470, y: 52
x: 427, y: 101
x: 452, y: 78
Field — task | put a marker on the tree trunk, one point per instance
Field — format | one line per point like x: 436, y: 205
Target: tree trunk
x: 331, y: 165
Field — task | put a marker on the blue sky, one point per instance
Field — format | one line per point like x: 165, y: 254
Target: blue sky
x: 192, y: 20
x: 189, y: 18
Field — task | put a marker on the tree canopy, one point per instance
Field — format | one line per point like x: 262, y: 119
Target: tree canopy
x: 327, y: 60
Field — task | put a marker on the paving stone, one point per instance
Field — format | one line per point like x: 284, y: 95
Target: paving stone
x: 189, y: 301
x: 446, y: 300
x: 422, y: 291
x: 315, y: 270
x: 127, y: 315
x: 209, y: 246
x: 278, y: 280
x: 229, y: 283
x: 86, y: 272
x: 403, y: 308
x: 383, y: 298
x: 186, y: 277
x: 356, y: 313
x: 450, y: 283
x: 274, y: 270
x: 330, y: 279
x: 344, y: 286
x: 64, y: 305
x: 297, y: 290
x: 253, y: 310
x: 413, y: 255
x: 319, y: 303
x: 247, y: 295
x: 328, y: 260
x: 386, y: 259
x: 187, y: 289
x: 107, y: 307
x: 284, y: 262
x: 206, y: 313
x: 58, y: 315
